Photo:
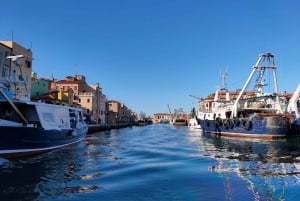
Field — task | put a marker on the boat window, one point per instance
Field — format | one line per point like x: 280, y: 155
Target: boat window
x: 48, y: 117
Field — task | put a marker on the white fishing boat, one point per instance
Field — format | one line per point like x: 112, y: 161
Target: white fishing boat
x: 180, y: 118
x: 294, y: 109
x: 193, y: 121
x: 193, y: 124
x: 242, y: 113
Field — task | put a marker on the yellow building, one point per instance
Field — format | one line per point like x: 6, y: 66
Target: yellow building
x: 66, y: 96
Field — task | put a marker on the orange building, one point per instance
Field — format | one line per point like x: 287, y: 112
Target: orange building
x: 90, y: 97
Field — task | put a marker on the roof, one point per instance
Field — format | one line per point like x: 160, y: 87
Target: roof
x: 46, y: 97
x: 68, y: 82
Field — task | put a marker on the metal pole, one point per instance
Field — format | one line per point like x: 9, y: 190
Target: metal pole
x: 234, y: 108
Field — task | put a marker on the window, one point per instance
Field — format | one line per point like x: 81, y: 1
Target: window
x: 5, y: 71
x: 88, y: 100
x: 28, y: 63
x: 79, y: 100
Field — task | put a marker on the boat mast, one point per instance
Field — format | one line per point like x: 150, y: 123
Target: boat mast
x: 260, y: 66
x: 223, y: 77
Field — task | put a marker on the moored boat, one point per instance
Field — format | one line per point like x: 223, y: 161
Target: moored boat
x: 164, y: 121
x: 179, y: 118
x: 180, y: 122
x: 253, y: 114
x: 294, y: 109
x: 141, y: 122
x: 43, y: 127
x: 193, y: 124
x: 193, y: 121
x: 28, y: 127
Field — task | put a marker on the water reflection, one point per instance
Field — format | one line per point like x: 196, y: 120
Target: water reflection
x: 57, y: 173
x: 157, y: 162
x: 269, y: 167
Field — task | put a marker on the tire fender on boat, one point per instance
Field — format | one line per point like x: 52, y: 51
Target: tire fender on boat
x: 226, y: 123
x: 247, y: 125
x: 220, y: 121
x: 207, y: 122
x: 231, y: 123
x: 236, y: 122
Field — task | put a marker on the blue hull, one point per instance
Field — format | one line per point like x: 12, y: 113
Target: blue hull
x: 256, y: 128
x: 18, y: 141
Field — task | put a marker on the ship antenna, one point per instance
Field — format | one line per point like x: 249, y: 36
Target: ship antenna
x: 223, y: 77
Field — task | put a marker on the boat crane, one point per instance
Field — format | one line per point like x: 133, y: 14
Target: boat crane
x: 196, y: 97
x: 199, y: 98
x: 169, y: 109
x: 265, y: 61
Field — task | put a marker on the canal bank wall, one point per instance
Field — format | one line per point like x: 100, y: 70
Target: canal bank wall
x: 105, y: 127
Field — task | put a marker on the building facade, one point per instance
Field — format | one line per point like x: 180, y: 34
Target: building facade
x: 112, y: 111
x: 39, y: 86
x: 117, y: 112
x: 162, y: 117
x: 94, y: 101
x: 18, y: 72
x: 5, y: 64
x: 90, y: 97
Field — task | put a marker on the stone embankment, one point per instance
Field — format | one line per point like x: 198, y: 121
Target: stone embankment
x: 105, y: 127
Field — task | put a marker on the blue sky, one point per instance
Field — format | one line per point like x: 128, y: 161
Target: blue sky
x: 153, y: 53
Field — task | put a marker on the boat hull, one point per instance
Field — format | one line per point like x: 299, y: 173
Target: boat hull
x: 262, y: 127
x: 180, y: 122
x: 21, y: 141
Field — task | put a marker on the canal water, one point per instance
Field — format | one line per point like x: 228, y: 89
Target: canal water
x: 157, y: 162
